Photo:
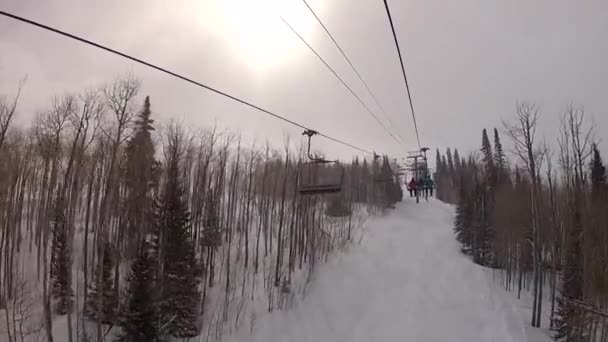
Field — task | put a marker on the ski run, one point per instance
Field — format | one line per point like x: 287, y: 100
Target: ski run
x: 405, y: 280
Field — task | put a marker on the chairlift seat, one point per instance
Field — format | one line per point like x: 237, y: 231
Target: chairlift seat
x: 319, y: 175
x: 317, y: 178
x: 320, y: 189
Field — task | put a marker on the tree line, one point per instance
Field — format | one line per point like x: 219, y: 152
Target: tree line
x: 123, y: 229
x: 541, y: 218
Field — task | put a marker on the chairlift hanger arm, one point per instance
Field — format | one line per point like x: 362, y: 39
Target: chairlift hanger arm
x: 310, y: 133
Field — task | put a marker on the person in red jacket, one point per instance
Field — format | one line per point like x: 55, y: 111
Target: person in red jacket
x: 412, y: 186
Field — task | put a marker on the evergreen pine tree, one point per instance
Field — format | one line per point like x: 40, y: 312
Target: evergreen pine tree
x: 449, y: 183
x: 180, y: 276
x: 488, y: 160
x: 568, y: 325
x: 452, y: 176
x: 465, y: 210
x: 365, y: 179
x: 102, y: 291
x: 450, y: 162
x: 457, y: 165
x: 386, y: 181
x: 598, y: 176
x: 61, y: 262
x: 438, y: 163
x: 463, y: 162
x: 472, y: 224
x: 477, y: 225
x: 500, y: 161
x: 439, y: 176
x: 355, y: 178
x: 464, y: 221
x: 394, y: 191
x: 481, y: 226
x: 444, y: 163
x: 212, y: 235
x: 596, y: 235
x: 139, y: 317
x: 141, y: 176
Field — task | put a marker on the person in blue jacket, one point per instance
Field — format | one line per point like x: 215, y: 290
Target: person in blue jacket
x: 429, y: 185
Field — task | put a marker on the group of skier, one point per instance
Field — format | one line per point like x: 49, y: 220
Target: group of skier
x: 421, y: 187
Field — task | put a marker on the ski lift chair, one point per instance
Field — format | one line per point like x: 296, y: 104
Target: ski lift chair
x: 319, y: 176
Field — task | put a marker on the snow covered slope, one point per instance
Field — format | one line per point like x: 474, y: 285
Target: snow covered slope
x: 406, y: 281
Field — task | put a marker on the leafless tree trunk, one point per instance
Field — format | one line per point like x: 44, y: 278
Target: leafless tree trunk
x: 8, y: 108
x: 119, y: 99
x: 523, y: 133
x: 555, y: 247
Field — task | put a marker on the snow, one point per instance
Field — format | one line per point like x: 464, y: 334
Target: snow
x: 405, y: 281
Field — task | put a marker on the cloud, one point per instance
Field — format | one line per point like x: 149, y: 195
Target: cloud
x: 468, y: 63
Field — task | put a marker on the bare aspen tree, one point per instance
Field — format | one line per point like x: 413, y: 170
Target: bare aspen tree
x: 8, y: 109
x: 246, y: 224
x: 575, y: 144
x: 555, y: 227
x: 15, y: 173
x: 523, y: 133
x: 580, y: 142
x: 51, y: 126
x: 21, y: 318
x: 231, y: 207
x: 281, y: 217
x: 119, y: 98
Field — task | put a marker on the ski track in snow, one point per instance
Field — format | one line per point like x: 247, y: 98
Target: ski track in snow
x: 407, y: 281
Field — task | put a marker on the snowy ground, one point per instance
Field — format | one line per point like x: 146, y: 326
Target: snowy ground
x: 406, y: 281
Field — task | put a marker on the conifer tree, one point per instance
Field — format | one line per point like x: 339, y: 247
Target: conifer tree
x: 439, y: 176
x: 438, y: 163
x: 141, y: 175
x: 139, y: 318
x: 450, y: 162
x: 457, y: 164
x: 598, y: 176
x: 212, y: 236
x: 481, y: 226
x: 477, y: 225
x: 500, y: 161
x: 355, y: 179
x: 61, y: 262
x: 464, y: 220
x: 181, y: 272
x: 366, y: 174
x: 488, y: 160
x: 568, y: 325
x: 486, y: 193
x: 102, y: 301
x: 392, y: 192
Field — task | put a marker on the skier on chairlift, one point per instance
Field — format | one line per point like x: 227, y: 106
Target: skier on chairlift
x: 412, y: 186
x: 420, y: 189
x: 429, y: 185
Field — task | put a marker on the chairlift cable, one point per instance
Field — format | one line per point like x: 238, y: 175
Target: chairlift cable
x: 352, y: 66
x: 407, y: 87
x: 342, y: 81
x: 183, y: 78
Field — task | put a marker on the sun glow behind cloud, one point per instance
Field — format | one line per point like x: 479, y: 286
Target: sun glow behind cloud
x: 254, y: 32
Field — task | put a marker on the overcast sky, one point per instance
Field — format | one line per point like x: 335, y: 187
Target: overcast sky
x: 468, y: 62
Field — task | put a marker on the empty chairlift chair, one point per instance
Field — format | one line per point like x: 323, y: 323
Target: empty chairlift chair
x: 319, y: 176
